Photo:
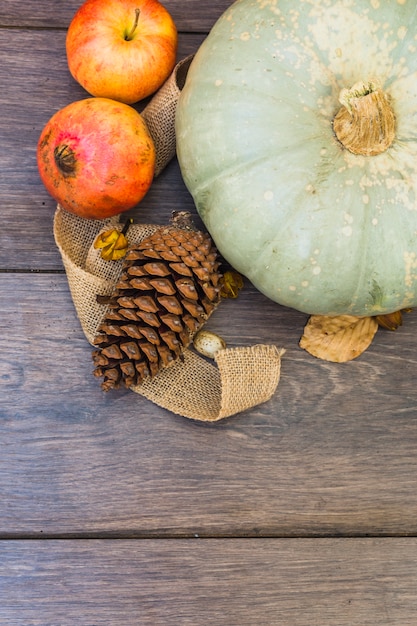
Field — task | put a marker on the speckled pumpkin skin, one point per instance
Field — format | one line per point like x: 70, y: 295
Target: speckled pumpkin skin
x: 313, y: 226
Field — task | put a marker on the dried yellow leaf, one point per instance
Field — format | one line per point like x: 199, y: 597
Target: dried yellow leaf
x: 391, y: 321
x: 232, y: 284
x: 113, y: 243
x: 338, y: 339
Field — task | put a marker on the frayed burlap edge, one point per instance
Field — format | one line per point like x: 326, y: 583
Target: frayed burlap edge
x: 244, y: 377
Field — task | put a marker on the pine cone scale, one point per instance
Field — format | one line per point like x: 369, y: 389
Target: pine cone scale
x: 163, y: 285
x: 180, y: 268
x: 156, y: 269
x: 145, y: 303
x: 143, y: 283
x: 171, y: 304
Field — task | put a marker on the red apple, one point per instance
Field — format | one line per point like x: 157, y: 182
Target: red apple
x: 121, y: 49
x: 96, y: 157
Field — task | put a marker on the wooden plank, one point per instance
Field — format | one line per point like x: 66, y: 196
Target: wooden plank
x: 333, y: 452
x: 337, y: 582
x: 189, y: 15
x: 31, y: 95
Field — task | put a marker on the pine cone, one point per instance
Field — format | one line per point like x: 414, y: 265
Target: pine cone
x: 168, y: 287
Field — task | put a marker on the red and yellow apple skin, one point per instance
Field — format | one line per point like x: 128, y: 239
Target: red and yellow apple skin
x: 96, y: 157
x: 121, y: 49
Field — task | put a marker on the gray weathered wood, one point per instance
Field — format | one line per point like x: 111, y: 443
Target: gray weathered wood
x: 336, y: 582
x: 333, y: 452
x: 189, y: 15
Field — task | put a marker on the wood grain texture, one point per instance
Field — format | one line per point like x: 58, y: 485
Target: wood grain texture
x: 333, y: 452
x: 336, y: 582
x: 189, y: 15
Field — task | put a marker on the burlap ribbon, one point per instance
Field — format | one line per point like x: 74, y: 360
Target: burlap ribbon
x: 240, y: 378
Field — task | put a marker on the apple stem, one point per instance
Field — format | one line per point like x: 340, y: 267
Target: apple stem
x: 130, y: 34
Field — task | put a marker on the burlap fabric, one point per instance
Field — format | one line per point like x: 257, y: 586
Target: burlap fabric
x: 240, y: 378
x: 159, y: 115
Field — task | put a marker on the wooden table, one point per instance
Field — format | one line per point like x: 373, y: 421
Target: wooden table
x: 299, y: 512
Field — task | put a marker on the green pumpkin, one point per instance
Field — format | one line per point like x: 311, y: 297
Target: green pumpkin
x: 319, y: 218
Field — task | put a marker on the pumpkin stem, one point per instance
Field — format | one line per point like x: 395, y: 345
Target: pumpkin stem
x: 366, y: 122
